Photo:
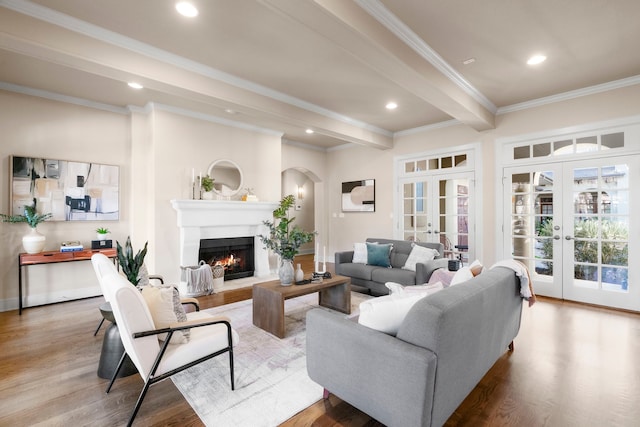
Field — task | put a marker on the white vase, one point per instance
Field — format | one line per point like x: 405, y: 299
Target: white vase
x: 285, y: 272
x: 33, y: 242
x: 101, y: 236
x: 299, y: 273
x: 207, y: 195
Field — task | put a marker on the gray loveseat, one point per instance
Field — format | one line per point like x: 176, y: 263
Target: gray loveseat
x: 371, y: 279
x: 445, y: 345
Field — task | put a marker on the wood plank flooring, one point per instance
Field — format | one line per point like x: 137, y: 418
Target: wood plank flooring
x: 573, y: 365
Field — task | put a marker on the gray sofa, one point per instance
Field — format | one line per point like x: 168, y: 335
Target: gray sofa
x: 445, y: 345
x: 371, y: 279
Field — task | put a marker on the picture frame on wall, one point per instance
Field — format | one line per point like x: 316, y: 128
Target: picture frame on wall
x: 359, y: 196
x: 70, y: 191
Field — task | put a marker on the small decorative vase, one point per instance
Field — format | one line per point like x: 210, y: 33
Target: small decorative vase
x: 101, y: 236
x: 285, y: 272
x: 33, y: 242
x: 299, y: 273
x: 207, y: 195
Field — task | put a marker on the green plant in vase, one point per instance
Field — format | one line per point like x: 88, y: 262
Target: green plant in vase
x: 33, y: 242
x: 129, y: 263
x: 284, y: 238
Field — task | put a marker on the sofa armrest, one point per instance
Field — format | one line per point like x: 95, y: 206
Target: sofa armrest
x: 342, y: 258
x: 424, y: 270
x: 387, y: 378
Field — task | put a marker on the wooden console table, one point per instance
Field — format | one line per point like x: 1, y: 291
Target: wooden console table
x: 52, y: 257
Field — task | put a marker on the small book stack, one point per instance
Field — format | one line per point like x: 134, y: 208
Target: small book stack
x: 71, y: 247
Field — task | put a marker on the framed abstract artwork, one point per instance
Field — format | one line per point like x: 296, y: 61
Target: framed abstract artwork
x: 359, y: 196
x: 70, y: 191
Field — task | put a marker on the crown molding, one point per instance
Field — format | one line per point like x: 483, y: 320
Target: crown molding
x: 591, y: 90
x: 73, y: 24
x: 10, y: 87
x: 376, y: 9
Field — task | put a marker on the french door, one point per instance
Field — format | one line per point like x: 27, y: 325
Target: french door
x: 570, y: 223
x: 438, y: 208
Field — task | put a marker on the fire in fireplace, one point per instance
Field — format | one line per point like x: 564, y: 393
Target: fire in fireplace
x: 235, y: 254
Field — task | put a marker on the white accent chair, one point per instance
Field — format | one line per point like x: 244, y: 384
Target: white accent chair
x: 210, y: 336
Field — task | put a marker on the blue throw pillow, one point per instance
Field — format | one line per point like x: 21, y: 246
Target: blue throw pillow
x: 378, y: 254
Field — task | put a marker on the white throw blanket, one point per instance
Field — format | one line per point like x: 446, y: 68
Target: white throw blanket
x: 526, y: 288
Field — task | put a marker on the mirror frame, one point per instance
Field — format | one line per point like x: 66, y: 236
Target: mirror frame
x: 234, y: 164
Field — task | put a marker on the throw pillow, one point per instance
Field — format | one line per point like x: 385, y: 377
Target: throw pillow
x: 419, y: 254
x: 386, y: 313
x: 379, y: 254
x: 461, y: 275
x: 476, y: 267
x: 428, y: 289
x: 359, y: 253
x: 165, y: 307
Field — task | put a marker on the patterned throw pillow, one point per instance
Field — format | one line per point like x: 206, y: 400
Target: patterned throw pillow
x: 359, y: 253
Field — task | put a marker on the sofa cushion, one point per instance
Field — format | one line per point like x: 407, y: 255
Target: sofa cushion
x: 419, y: 254
x: 386, y: 313
x: 357, y: 271
x: 359, y: 253
x: 384, y: 275
x: 379, y: 254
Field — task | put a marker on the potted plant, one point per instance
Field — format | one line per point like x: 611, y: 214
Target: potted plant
x: 206, y: 183
x: 285, y: 238
x: 33, y: 242
x: 101, y: 233
x: 130, y: 263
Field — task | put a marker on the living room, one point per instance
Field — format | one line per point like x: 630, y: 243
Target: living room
x: 158, y: 145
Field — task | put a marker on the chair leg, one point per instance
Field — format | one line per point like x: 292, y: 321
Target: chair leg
x: 117, y: 371
x: 139, y: 402
x: 98, y: 328
x: 233, y: 387
x: 325, y: 394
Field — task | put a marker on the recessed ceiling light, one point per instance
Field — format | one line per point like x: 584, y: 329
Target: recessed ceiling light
x: 391, y: 106
x: 469, y: 61
x: 229, y: 111
x: 536, y: 59
x: 135, y: 85
x: 187, y: 9
x: 309, y: 131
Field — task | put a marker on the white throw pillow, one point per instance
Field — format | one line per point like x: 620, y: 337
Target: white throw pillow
x: 428, y: 289
x: 461, y: 275
x: 476, y: 267
x: 165, y: 307
x: 386, y: 313
x: 359, y: 253
x: 419, y: 254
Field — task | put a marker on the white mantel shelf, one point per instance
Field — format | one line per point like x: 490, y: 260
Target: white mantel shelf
x: 217, y: 219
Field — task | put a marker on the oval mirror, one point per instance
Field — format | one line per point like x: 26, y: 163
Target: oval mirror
x: 227, y: 177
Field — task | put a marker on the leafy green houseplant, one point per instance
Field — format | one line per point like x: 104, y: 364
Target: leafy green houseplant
x: 31, y: 216
x: 33, y: 242
x: 285, y: 238
x: 130, y: 263
x: 207, y: 183
x: 102, y: 232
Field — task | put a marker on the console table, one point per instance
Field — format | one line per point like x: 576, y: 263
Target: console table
x: 52, y: 257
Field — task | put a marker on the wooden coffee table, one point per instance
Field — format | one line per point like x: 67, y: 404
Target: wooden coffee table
x: 268, y: 300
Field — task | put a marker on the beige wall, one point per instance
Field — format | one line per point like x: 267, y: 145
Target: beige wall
x: 156, y: 151
x: 362, y: 163
x: 35, y: 127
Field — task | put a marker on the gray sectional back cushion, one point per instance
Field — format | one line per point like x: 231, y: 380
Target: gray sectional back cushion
x: 402, y: 249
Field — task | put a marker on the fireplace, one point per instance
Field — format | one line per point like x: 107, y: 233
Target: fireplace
x: 235, y: 254
x: 221, y: 219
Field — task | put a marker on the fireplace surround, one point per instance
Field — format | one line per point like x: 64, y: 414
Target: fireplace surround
x: 218, y: 219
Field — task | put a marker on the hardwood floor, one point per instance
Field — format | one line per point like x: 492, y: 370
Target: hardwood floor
x: 572, y: 365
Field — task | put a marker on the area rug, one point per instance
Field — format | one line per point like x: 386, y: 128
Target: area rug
x: 272, y: 383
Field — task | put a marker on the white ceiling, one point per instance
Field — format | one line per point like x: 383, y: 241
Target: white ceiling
x: 329, y: 65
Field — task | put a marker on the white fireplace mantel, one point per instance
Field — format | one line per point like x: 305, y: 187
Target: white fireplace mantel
x: 217, y: 219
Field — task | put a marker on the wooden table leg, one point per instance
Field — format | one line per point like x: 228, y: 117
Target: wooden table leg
x: 268, y: 311
x: 337, y: 298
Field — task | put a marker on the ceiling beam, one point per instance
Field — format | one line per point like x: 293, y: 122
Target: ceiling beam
x: 354, y: 30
